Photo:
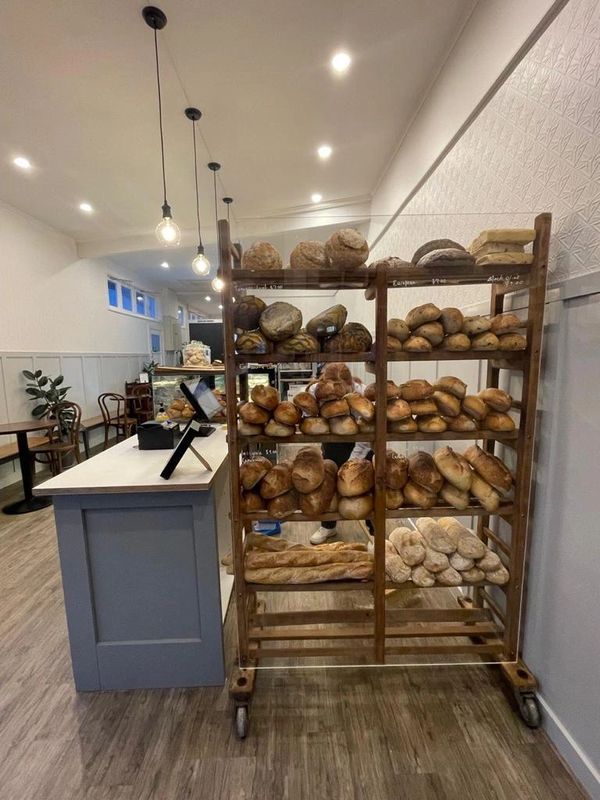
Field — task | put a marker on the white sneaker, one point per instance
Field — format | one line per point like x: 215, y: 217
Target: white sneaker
x: 322, y: 535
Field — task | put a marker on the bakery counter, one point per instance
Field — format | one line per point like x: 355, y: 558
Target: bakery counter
x: 145, y: 595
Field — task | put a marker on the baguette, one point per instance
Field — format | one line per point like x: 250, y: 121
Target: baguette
x: 358, y: 570
x: 303, y: 558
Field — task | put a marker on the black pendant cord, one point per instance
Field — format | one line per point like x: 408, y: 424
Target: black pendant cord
x: 160, y: 120
x: 215, y: 193
x: 200, y: 245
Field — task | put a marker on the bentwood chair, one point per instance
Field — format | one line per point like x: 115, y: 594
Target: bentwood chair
x: 113, y: 408
x: 63, y: 439
x: 141, y: 402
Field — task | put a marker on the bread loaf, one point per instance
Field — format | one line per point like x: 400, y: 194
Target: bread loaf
x: 396, y: 470
x: 327, y: 389
x: 301, y: 342
x: 455, y: 497
x: 255, y: 415
x: 308, y: 471
x: 461, y: 563
x: 406, y: 425
x: 356, y: 507
x: 457, y: 342
x: 473, y: 326
x: 393, y: 345
x: 487, y: 496
x: 397, y: 409
x: 283, y: 505
x: 338, y: 371
x: 422, y: 577
x: 422, y: 314
x: 254, y: 470
x: 417, y: 389
x: 417, y: 344
x: 498, y: 576
x: 353, y: 338
x: 451, y: 320
x: 473, y: 575
x: 360, y: 406
x: 495, y: 421
x: 395, y: 568
x: 512, y: 341
x: 287, y: 413
x: 278, y: 480
x: 415, y: 495
x: 409, y: 545
x: 317, y: 501
x: 347, y: 248
x: 335, y: 408
x: 432, y: 331
x: 447, y: 404
x: 261, y: 255
x: 453, y: 526
x: 505, y: 323
x: 273, y: 428
x: 453, y: 467
x: 307, y: 403
x: 266, y: 397
x: 392, y: 391
x: 435, y: 561
x: 393, y: 499
x: 328, y: 322
x: 365, y: 426
x: 309, y: 255
x: 432, y: 424
x: 496, y: 399
x: 490, y: 467
x: 398, y: 329
x: 435, y: 244
x: 451, y: 385
x: 355, y: 477
x: 461, y: 424
x: 303, y: 557
x: 469, y: 546
x: 343, y: 426
x: 485, y: 341
x: 489, y: 562
x: 279, y: 321
x: 314, y: 426
x: 422, y: 408
x: 423, y: 471
x: 436, y: 537
x: 246, y: 313
x: 248, y: 429
x: 251, y: 501
x: 356, y: 570
x: 474, y: 406
x: 449, y: 577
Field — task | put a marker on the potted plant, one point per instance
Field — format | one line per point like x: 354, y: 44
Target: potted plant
x: 48, y: 392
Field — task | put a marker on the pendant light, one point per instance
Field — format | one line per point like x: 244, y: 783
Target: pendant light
x: 167, y: 231
x: 200, y: 264
x: 217, y: 283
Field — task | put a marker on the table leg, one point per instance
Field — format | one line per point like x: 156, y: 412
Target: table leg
x: 29, y: 503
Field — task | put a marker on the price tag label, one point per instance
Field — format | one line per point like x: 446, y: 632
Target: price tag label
x: 398, y: 284
x: 507, y: 280
x: 268, y: 286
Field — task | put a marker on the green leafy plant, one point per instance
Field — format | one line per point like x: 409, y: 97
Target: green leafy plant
x: 48, y: 391
x: 150, y: 366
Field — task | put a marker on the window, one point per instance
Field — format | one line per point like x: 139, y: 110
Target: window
x: 155, y: 342
x: 180, y: 315
x: 128, y: 299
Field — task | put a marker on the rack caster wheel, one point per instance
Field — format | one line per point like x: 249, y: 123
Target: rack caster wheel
x: 529, y: 709
x: 242, y: 721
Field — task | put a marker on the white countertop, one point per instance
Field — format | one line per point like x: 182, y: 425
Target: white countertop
x: 125, y: 468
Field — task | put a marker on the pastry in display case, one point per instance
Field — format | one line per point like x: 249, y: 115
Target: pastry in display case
x: 167, y: 394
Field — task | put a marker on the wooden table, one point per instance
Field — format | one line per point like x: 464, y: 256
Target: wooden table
x: 21, y: 429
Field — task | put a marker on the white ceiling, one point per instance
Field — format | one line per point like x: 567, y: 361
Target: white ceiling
x: 79, y: 100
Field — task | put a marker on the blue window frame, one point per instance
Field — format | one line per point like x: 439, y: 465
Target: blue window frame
x: 155, y: 342
x: 140, y: 303
x: 126, y: 298
x: 151, y: 306
x: 113, y: 299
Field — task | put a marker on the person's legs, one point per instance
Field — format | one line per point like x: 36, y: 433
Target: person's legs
x: 339, y: 452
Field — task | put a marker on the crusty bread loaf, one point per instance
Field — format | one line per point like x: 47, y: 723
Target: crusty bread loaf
x: 406, y: 425
x: 453, y: 467
x: 248, y: 429
x: 346, y: 248
x: 417, y: 344
x: 428, y: 312
x: 489, y: 562
x: 251, y: 501
x: 423, y: 408
x: 309, y: 255
x: 416, y: 495
x: 315, y: 557
x: 314, y: 426
x: 417, y: 389
x: 475, y: 325
x: 496, y: 421
x: 365, y: 426
x: 423, y: 471
x: 287, y: 413
x: 261, y: 255
x: 473, y: 575
x: 395, y: 568
x: 498, y: 576
x: 327, y: 389
x: 392, y: 391
x: 422, y: 577
x: 254, y: 470
x: 505, y: 323
x: 486, y: 494
x: 396, y: 470
x: 356, y: 570
x: 308, y: 470
x: 432, y: 331
x: 254, y: 414
x: 451, y: 385
x: 454, y: 497
x: 470, y: 546
x: 398, y: 329
x: 409, y: 545
x: 432, y: 423
x: 393, y: 345
x: 356, y: 507
x: 461, y: 563
x: 393, y: 499
x: 436, y: 537
x: 355, y: 477
x: 318, y: 500
x: 435, y: 561
x: 457, y: 342
x: 360, y: 406
x: 474, y: 406
x: 451, y: 320
x: 265, y: 396
x: 452, y: 525
x: 278, y: 480
x: 496, y: 399
x: 307, y: 403
x: 397, y: 409
x: 449, y: 577
x: 447, y: 404
x: 343, y: 426
x: 491, y: 468
x: 283, y: 505
x: 273, y: 428
x: 338, y: 371
x: 512, y: 341
x: 485, y: 341
x: 462, y: 423
x: 335, y: 408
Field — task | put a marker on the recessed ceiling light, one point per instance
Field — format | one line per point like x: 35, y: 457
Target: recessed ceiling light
x: 164, y: 264
x: 87, y: 208
x: 22, y: 163
x: 324, y: 151
x: 220, y: 308
x: 340, y: 62
x: 207, y: 298
x: 316, y: 197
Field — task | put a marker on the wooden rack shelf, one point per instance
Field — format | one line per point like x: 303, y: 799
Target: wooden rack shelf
x: 486, y: 624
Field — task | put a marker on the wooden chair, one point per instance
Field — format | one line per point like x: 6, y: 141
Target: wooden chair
x: 141, y: 405
x: 113, y: 408
x: 62, y: 439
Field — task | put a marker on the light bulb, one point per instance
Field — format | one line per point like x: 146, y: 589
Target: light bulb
x: 167, y: 231
x: 316, y: 197
x: 218, y: 284
x: 201, y: 265
x: 341, y: 62
x: 324, y: 151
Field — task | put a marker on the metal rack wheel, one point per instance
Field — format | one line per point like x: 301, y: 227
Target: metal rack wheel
x: 529, y: 708
x: 242, y: 721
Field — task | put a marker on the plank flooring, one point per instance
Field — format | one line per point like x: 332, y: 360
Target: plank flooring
x: 440, y: 733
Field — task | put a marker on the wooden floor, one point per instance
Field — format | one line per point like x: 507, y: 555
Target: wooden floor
x: 444, y: 733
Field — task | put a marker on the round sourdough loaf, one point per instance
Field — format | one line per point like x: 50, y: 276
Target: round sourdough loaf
x: 266, y: 397
x: 247, y: 311
x: 512, y: 341
x: 254, y: 470
x: 453, y: 467
x: 251, y: 501
x: 248, y: 429
x: 397, y: 409
x: 347, y: 248
x: 280, y: 429
x: 417, y: 389
x: 451, y: 385
x: 435, y: 244
x: 261, y: 255
x: 314, y: 426
x: 451, y: 320
x: 474, y: 406
x: 485, y: 341
x: 398, y: 329
x: 505, y: 323
x: 421, y: 408
x: 278, y: 480
x: 254, y: 414
x: 279, y: 321
x: 447, y: 404
x: 327, y: 389
x: 355, y: 507
x: 475, y: 325
x: 360, y: 406
x: 393, y: 499
x: 308, y: 471
x: 287, y: 413
x: 283, y: 505
x: 406, y: 425
x: 309, y: 255
x: 415, y: 495
x: 318, y: 501
x: 428, y: 312
x: 417, y: 344
x: 393, y: 345
x: 392, y: 391
x: 461, y: 424
x: 432, y: 424
x: 496, y: 399
x: 496, y: 421
x: 432, y: 331
x: 343, y: 426
x: 307, y: 403
x: 335, y: 408
x: 355, y: 477
x: 423, y: 471
x: 458, y: 342
x: 490, y: 467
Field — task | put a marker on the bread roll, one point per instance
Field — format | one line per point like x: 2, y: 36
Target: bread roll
x: 356, y: 507
x: 473, y: 575
x: 308, y: 470
x: 498, y: 576
x: 449, y: 577
x: 266, y: 397
x: 432, y: 424
x: 395, y: 568
x: 489, y: 562
x: 435, y: 561
x: 279, y: 429
x: 338, y: 371
x: 496, y: 399
x: 309, y: 255
x: 307, y: 403
x: 422, y: 470
x: 487, y: 496
x: 261, y: 255
x: 512, y: 341
x: 365, y: 426
x: 453, y: 467
x: 392, y: 391
x: 470, y: 546
x: 248, y: 429
x: 490, y: 467
x: 474, y: 406
x: 287, y: 413
x: 415, y: 495
x: 436, y: 537
x: 355, y: 477
x: 397, y: 409
x: 255, y: 415
x: 447, y: 404
x: 251, y: 501
x: 343, y: 426
x: 505, y: 323
x: 330, y: 390
x: 406, y: 425
x: 418, y: 344
x: 461, y: 563
x: 278, y: 480
x: 422, y: 408
x: 432, y: 331
x: 398, y: 329
x: 451, y: 320
x: 254, y: 470
x: 393, y: 345
x: 347, y: 248
x: 335, y: 408
x: 461, y: 423
x: 396, y: 470
x: 317, y: 502
x: 485, y: 341
x: 473, y: 326
x: 495, y: 421
x: 417, y: 389
x: 457, y: 342
x: 451, y: 385
x: 422, y: 577
x: 360, y: 406
x: 314, y: 426
x: 393, y: 499
x: 409, y: 545
x: 422, y: 314
x: 283, y: 505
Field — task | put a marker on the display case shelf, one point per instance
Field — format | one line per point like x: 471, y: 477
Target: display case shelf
x: 447, y: 436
